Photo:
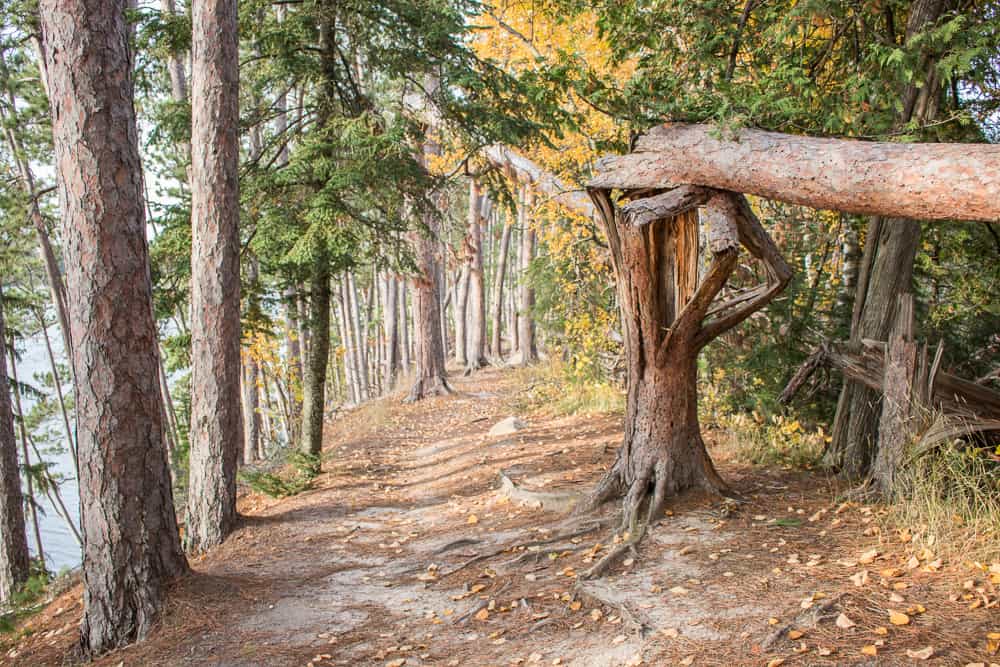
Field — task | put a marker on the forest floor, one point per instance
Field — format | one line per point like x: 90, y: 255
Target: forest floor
x: 365, y: 568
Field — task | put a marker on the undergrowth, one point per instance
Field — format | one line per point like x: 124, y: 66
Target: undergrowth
x: 553, y: 387
x: 950, y: 501
x: 296, y: 477
x: 23, y: 603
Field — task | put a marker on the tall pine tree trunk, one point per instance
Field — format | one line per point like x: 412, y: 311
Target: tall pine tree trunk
x: 14, y: 562
x: 131, y: 544
x: 216, y: 417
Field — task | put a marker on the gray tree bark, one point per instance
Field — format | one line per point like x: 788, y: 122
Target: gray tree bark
x: 390, y: 322
x: 14, y: 561
x: 216, y: 419
x: 526, y: 319
x: 497, y: 300
x: 475, y: 346
x: 131, y: 545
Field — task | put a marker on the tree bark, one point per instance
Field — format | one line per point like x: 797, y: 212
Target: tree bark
x: 496, y: 337
x: 887, y: 273
x: 404, y: 327
x: 461, y: 303
x: 390, y: 322
x: 29, y: 483
x: 921, y: 181
x: 216, y: 419
x: 14, y: 560
x: 526, y: 317
x: 475, y: 347
x: 131, y: 544
x: 251, y: 407
x: 668, y: 316
x: 319, y: 351
x: 294, y: 367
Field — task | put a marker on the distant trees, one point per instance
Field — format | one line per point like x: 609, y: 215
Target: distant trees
x: 216, y: 417
x: 131, y: 542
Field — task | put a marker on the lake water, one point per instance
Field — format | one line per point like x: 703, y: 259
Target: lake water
x: 61, y: 548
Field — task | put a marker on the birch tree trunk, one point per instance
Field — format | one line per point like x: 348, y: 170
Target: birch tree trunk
x: 14, y: 561
x: 526, y: 319
x: 496, y: 339
x: 216, y: 418
x: 390, y: 322
x: 475, y: 351
x: 131, y: 545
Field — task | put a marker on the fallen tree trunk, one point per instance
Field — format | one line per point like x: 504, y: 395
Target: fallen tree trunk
x: 922, y: 181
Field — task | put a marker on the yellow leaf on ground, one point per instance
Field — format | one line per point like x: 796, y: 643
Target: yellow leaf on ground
x: 482, y: 614
x: 881, y: 630
x: 870, y: 649
x: 921, y: 654
x: 575, y: 605
x: 472, y: 519
x: 773, y: 621
x: 795, y: 634
x: 776, y: 662
x: 399, y: 662
x: 898, y: 618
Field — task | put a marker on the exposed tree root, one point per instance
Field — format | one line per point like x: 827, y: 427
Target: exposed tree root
x: 629, y: 615
x: 425, y: 387
x: 575, y: 531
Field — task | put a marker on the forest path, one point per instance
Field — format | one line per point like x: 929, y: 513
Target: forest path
x: 361, y: 570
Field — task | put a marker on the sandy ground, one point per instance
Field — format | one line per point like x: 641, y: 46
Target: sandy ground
x: 407, y: 553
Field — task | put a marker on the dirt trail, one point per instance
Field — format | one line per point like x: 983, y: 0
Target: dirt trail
x: 364, y: 569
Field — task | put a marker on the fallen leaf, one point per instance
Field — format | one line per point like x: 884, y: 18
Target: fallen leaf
x: 620, y: 639
x: 773, y: 621
x: 845, y: 623
x: 482, y: 614
x: 398, y: 662
x: 596, y: 614
x: 870, y: 649
x: 868, y: 557
x: 575, y: 605
x: 473, y: 519
x: 687, y: 661
x: 776, y: 662
x: 795, y: 634
x: 898, y: 618
x: 671, y: 633
x: 825, y: 651
x: 860, y: 579
x: 921, y: 654
x: 881, y: 630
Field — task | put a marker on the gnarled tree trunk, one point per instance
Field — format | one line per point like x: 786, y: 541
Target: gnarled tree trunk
x: 131, y: 544
x: 668, y: 316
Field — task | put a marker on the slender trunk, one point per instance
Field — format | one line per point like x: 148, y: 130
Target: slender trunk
x: 461, y: 301
x: 319, y: 351
x: 390, y: 322
x: 52, y: 493
x: 357, y: 334
x: 476, y: 307
x: 57, y: 382
x: 14, y: 560
x: 28, y: 479
x: 496, y: 344
x: 304, y: 333
x: 216, y: 419
x: 131, y: 544
x: 347, y: 342
x: 293, y: 363
x: 526, y: 321
x: 404, y: 327
x: 251, y: 406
